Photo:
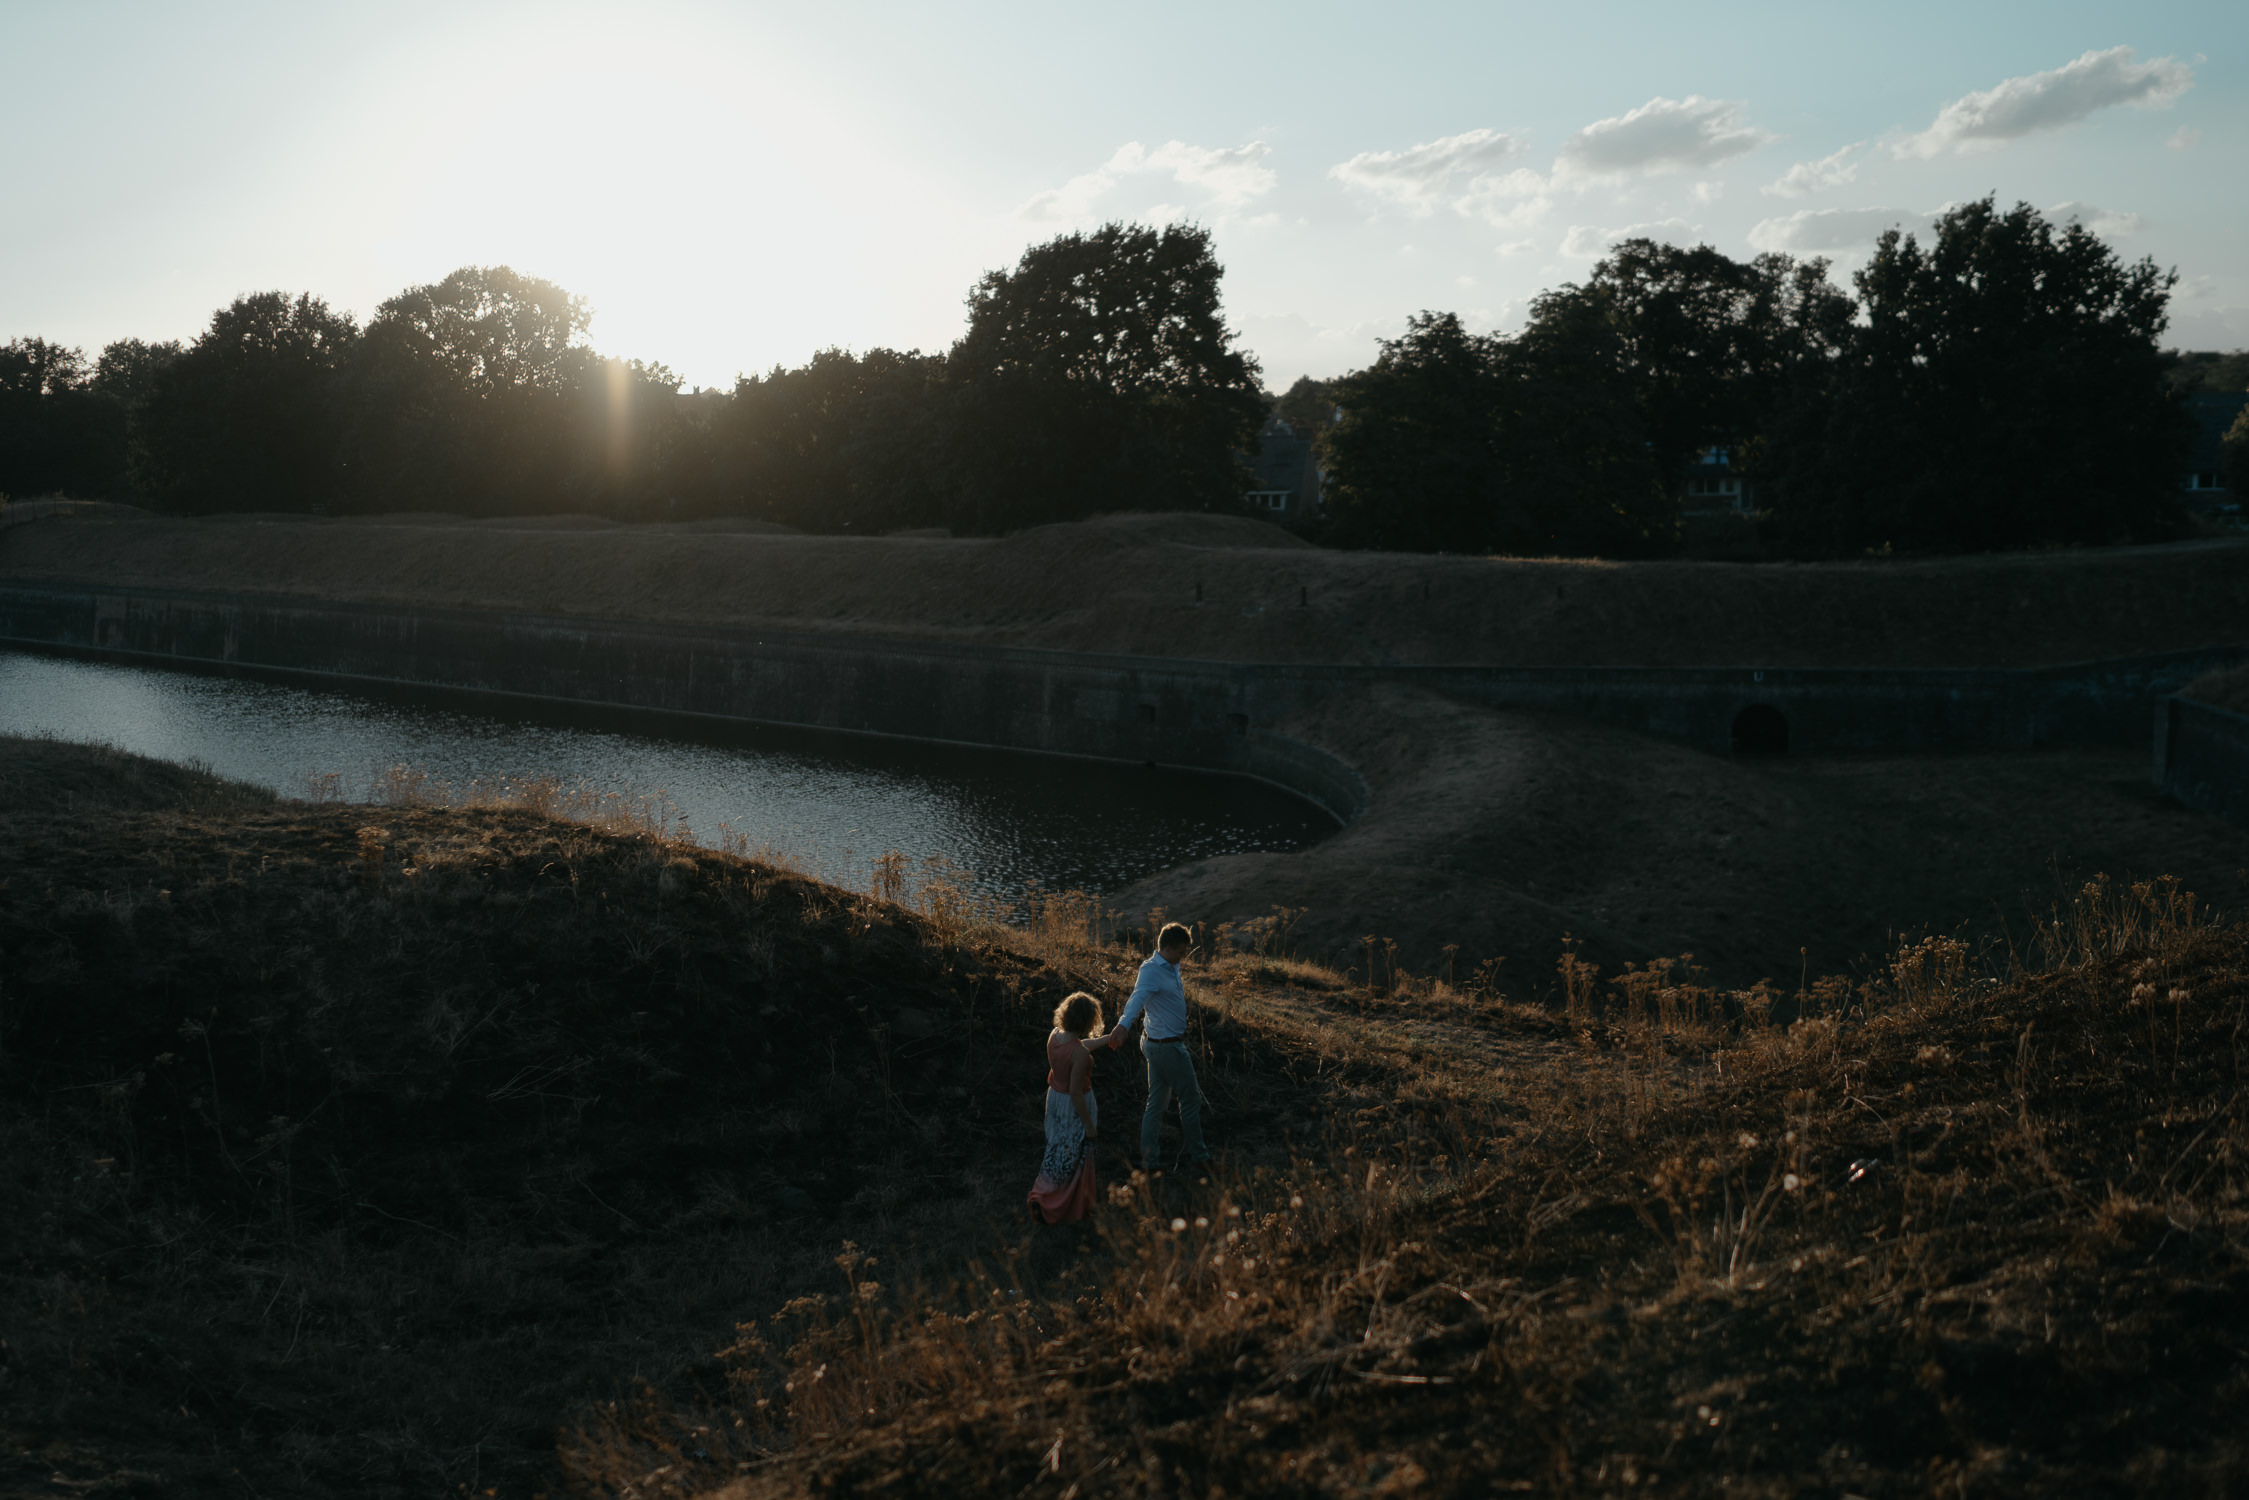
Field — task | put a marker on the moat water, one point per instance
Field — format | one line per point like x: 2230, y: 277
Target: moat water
x: 829, y: 803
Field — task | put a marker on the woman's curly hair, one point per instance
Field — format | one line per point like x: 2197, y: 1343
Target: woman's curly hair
x: 1079, y: 1014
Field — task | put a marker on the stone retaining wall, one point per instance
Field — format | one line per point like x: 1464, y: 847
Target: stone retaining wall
x: 2202, y: 757
x: 1215, y: 716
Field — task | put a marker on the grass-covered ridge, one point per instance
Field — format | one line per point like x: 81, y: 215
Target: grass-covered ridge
x: 399, y: 1150
x: 1207, y: 587
x: 1956, y: 1235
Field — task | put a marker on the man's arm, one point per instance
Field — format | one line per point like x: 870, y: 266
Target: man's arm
x: 1132, y: 1010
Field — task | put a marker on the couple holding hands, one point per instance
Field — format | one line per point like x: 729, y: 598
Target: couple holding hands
x: 1065, y: 1186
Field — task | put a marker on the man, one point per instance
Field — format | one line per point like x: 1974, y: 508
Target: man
x: 1171, y: 1071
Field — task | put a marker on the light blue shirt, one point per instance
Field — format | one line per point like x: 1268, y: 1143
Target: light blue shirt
x: 1159, y: 992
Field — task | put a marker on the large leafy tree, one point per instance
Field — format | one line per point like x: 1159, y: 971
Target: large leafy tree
x: 481, y: 393
x: 1579, y: 471
x: 1712, y: 347
x: 460, y: 393
x: 58, y: 434
x: 1308, y: 406
x: 833, y: 445
x: 1412, y: 463
x: 1574, y: 435
x: 1458, y: 442
x: 489, y: 331
x: 246, y: 418
x: 2004, y: 389
x: 1097, y: 375
x: 128, y: 369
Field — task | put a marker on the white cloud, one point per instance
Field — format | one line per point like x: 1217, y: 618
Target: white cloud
x: 2047, y: 101
x: 1517, y: 247
x: 1511, y: 200
x: 1230, y: 176
x: 1290, y: 344
x: 2200, y: 322
x: 2108, y: 223
x: 1662, y: 135
x: 1420, y: 176
x: 1709, y: 192
x: 2184, y: 138
x: 1815, y: 231
x: 1585, y: 242
x: 1808, y: 177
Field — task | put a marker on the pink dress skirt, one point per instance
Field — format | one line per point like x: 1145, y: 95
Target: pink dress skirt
x: 1064, y: 1189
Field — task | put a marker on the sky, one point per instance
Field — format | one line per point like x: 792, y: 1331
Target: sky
x: 733, y: 187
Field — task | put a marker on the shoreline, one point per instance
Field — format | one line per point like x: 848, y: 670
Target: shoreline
x: 1468, y: 817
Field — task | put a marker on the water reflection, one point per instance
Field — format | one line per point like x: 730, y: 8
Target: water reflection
x: 831, y: 802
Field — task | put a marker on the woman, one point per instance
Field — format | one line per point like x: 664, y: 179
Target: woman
x: 1064, y: 1190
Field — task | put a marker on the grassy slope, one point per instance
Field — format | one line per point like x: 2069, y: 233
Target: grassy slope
x: 2229, y: 690
x: 1501, y: 832
x: 330, y: 1173
x: 348, y: 1150
x: 1130, y: 584
x: 1970, y: 1238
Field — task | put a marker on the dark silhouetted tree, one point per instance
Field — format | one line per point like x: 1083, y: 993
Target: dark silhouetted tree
x: 35, y: 367
x: 2206, y: 370
x: 461, y: 392
x: 1579, y: 473
x: 1412, y: 464
x: 1097, y: 375
x: 480, y: 393
x: 58, y: 435
x: 247, y: 417
x: 2003, y: 390
x: 833, y: 445
x: 1308, y: 406
x: 128, y: 370
x: 1711, y: 347
x: 1458, y: 442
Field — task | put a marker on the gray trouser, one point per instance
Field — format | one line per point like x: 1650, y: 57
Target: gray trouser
x: 1170, y: 1072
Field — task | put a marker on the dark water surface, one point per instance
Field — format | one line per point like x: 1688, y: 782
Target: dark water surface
x: 829, y: 802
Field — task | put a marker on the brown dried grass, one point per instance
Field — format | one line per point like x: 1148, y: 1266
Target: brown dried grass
x: 339, y: 1164
x: 1205, y: 587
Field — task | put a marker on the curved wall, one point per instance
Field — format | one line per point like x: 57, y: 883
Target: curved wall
x: 1214, y: 716
x: 2202, y: 757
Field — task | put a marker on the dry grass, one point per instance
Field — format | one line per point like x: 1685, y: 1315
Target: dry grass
x: 1205, y: 587
x: 1943, y: 1233
x: 1502, y: 832
x: 350, y: 1164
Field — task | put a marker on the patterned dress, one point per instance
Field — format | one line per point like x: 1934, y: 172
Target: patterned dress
x: 1064, y: 1189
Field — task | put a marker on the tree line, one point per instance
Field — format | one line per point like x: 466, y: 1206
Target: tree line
x: 2000, y: 386
x: 1096, y: 375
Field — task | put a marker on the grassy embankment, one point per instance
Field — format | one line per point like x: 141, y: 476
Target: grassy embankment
x: 1495, y: 831
x: 2227, y: 690
x: 369, y: 1150
x: 1204, y: 587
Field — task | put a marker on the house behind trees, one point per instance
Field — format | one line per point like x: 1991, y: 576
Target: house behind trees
x: 2206, y: 479
x: 1284, y: 475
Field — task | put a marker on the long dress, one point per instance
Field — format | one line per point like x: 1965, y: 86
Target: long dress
x: 1064, y: 1189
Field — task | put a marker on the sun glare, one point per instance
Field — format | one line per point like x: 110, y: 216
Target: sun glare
x: 708, y: 209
